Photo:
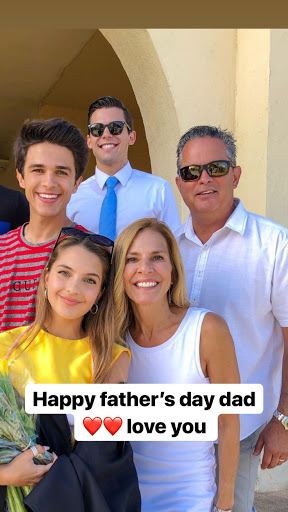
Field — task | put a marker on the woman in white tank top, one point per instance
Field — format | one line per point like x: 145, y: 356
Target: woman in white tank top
x: 173, y: 343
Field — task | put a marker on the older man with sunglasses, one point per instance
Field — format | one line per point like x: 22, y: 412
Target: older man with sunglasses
x: 116, y: 194
x: 236, y: 264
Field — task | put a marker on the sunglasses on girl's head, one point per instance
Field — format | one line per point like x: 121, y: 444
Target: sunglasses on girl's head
x: 214, y: 169
x: 115, y: 128
x: 101, y: 240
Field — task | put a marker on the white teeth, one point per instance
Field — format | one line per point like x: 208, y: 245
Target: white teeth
x: 208, y: 192
x: 49, y: 196
x: 107, y: 145
x: 146, y: 284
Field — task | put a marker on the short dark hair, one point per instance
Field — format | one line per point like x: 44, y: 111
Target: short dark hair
x: 55, y: 131
x: 109, y: 102
x: 208, y: 131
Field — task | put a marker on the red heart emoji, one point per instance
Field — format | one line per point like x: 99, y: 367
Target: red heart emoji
x: 112, y: 425
x: 92, y: 425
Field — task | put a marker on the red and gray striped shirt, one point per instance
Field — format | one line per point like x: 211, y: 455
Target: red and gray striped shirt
x: 21, y: 265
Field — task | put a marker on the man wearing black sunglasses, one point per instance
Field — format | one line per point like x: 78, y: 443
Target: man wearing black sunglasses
x: 116, y: 194
x: 236, y: 265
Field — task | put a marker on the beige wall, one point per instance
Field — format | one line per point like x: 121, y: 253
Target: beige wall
x: 261, y: 121
x: 252, y: 115
x: 199, y: 66
x: 142, y: 63
x: 277, y: 175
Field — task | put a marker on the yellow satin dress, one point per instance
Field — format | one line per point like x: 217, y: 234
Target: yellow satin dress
x: 48, y: 359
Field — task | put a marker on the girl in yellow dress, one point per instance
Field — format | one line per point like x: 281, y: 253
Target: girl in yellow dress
x: 71, y: 341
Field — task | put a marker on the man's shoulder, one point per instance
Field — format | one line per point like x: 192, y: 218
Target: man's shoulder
x: 85, y: 185
x: 147, y: 177
x: 84, y: 191
x: 179, y: 231
x: 13, y: 244
x: 10, y: 236
x: 81, y: 228
x: 266, y: 226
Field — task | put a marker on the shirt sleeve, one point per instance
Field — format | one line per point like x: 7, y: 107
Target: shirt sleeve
x: 279, y: 294
x: 71, y: 209
x: 7, y: 339
x: 117, y: 350
x: 169, y: 214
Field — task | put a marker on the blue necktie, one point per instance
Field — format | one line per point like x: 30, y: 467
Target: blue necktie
x: 108, y: 213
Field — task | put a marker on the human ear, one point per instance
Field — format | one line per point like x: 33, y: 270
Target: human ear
x: 236, y: 176
x: 20, y: 179
x: 77, y: 183
x: 88, y: 141
x: 132, y: 138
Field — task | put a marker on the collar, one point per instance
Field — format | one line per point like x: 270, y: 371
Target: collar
x: 36, y: 244
x: 238, y: 218
x: 122, y: 175
x: 236, y: 222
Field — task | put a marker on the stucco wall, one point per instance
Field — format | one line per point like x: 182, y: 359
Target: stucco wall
x: 277, y: 175
x: 252, y: 115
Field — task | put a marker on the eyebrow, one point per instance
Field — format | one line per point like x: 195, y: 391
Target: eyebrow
x: 61, y: 167
x: 160, y: 251
x: 70, y: 268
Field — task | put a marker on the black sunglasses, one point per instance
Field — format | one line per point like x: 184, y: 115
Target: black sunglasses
x: 214, y: 169
x: 101, y: 240
x: 115, y: 128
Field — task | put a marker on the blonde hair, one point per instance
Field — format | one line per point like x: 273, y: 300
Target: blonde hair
x: 124, y: 315
x: 99, y: 328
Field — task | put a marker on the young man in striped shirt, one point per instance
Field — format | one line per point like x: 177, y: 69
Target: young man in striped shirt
x: 50, y: 159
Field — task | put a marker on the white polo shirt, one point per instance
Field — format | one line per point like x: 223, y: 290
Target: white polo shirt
x: 139, y: 194
x: 241, y: 273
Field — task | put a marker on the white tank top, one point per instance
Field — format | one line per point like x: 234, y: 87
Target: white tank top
x: 174, y: 476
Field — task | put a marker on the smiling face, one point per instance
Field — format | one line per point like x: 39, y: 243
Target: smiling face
x: 73, y: 283
x: 48, y: 179
x: 148, y: 269
x: 208, y: 196
x: 110, y: 151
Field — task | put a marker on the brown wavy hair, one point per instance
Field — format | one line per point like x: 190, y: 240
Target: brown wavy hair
x: 124, y: 315
x: 99, y: 328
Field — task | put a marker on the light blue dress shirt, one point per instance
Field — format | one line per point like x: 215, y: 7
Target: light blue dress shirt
x: 139, y: 194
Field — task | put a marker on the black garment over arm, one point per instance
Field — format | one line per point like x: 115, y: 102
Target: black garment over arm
x: 93, y: 476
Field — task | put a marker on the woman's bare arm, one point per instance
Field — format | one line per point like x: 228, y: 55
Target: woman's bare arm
x: 119, y: 370
x: 218, y: 361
